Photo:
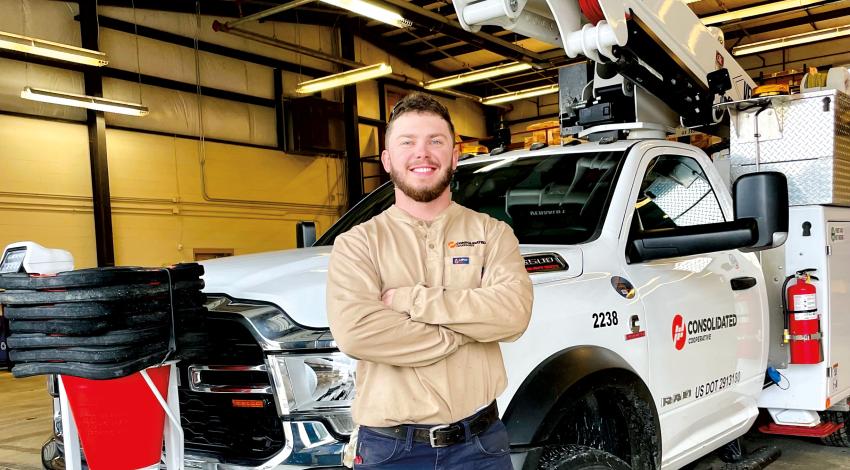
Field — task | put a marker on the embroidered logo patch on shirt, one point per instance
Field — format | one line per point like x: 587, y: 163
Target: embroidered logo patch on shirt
x: 454, y: 244
x: 460, y: 260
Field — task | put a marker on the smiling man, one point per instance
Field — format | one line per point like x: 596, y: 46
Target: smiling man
x: 422, y: 294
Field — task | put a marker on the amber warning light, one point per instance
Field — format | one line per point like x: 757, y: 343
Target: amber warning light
x: 247, y: 403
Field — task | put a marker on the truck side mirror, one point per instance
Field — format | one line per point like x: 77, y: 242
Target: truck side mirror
x: 305, y: 234
x: 763, y: 197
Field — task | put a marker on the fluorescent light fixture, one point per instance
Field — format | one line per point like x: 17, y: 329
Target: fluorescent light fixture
x: 767, y: 8
x: 518, y: 95
x: 476, y: 75
x: 371, y: 10
x: 344, y: 78
x: 793, y: 40
x: 54, y: 50
x: 84, y: 101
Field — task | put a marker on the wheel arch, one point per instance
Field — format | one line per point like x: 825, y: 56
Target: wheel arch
x: 534, y: 412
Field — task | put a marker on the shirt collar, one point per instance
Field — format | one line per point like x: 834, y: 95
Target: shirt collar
x: 399, y: 214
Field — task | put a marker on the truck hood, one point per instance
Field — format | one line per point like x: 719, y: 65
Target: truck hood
x: 294, y: 280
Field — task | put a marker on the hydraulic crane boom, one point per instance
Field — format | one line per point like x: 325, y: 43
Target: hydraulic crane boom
x: 660, y: 45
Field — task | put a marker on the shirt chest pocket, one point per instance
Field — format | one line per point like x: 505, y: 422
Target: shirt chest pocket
x: 463, y: 271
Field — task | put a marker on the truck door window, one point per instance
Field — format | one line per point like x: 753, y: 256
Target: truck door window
x: 552, y: 198
x: 675, y: 193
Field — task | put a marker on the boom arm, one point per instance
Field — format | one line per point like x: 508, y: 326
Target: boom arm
x: 660, y: 45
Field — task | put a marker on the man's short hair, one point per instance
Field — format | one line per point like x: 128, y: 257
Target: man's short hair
x: 418, y: 102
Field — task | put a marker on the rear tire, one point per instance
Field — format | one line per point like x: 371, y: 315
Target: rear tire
x: 576, y: 457
x: 839, y: 438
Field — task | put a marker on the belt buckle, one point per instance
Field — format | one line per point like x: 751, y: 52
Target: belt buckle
x: 433, y: 438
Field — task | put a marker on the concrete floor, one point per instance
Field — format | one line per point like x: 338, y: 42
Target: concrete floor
x: 26, y: 410
x: 800, y: 453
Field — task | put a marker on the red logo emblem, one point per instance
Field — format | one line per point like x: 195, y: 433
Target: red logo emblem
x: 679, y: 332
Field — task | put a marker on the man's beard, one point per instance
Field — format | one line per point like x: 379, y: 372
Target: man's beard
x: 426, y: 194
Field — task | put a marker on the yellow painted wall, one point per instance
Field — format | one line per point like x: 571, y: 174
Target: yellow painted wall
x: 252, y: 199
x: 160, y: 214
x: 45, y: 189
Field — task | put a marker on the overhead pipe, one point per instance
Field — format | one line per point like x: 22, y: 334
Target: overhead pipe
x: 243, y: 33
x: 262, y: 14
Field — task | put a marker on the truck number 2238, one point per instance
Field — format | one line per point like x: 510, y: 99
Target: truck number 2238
x: 603, y: 319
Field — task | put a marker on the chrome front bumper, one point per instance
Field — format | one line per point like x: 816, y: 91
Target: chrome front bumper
x: 309, y: 445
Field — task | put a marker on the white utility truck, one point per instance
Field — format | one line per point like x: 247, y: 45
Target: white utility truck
x: 657, y: 332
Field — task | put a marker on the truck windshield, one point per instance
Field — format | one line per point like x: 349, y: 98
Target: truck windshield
x: 546, y: 199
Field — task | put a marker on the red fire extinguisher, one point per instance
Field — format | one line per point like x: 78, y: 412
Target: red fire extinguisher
x: 802, y: 321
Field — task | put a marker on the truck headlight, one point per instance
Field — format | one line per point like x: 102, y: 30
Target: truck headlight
x: 315, y: 384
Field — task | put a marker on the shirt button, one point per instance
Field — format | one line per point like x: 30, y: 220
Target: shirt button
x: 431, y: 246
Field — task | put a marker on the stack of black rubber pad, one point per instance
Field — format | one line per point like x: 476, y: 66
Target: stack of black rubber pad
x: 103, y: 323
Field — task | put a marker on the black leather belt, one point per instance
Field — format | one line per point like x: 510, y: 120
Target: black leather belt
x: 445, y: 434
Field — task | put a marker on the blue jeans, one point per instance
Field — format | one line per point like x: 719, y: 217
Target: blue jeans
x: 489, y: 450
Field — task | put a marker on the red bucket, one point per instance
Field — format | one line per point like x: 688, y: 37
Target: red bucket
x: 120, y: 421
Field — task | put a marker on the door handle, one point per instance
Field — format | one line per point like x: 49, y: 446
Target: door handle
x: 742, y: 283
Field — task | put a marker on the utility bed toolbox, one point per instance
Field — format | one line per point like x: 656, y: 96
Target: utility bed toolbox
x: 805, y: 136
x: 818, y: 238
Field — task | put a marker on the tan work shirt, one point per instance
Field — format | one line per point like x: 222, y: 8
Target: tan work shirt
x: 461, y: 287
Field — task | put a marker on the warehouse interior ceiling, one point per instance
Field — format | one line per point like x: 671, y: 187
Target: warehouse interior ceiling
x: 437, y: 45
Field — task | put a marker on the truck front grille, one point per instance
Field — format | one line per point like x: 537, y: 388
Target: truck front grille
x: 234, y: 435
x: 230, y: 368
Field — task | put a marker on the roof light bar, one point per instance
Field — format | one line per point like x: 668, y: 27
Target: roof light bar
x: 84, y: 101
x: 54, y: 50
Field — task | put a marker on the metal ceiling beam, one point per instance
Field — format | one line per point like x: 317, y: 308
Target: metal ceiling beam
x: 763, y: 15
x: 460, y: 49
x: 98, y: 158
x: 226, y: 9
x: 523, y: 77
x: 791, y: 23
x: 376, y: 40
x: 208, y: 7
x: 420, y: 39
x: 457, y: 51
x: 530, y: 81
x: 354, y: 170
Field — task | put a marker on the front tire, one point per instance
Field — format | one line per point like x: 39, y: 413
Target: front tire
x: 576, y: 457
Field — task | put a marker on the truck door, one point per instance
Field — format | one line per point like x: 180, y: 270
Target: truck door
x: 697, y: 325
